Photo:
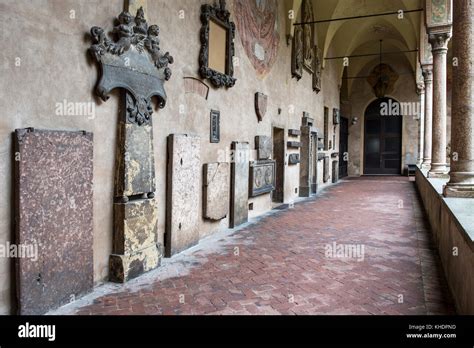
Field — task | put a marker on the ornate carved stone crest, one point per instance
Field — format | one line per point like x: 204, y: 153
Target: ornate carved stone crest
x: 261, y: 101
x: 133, y: 61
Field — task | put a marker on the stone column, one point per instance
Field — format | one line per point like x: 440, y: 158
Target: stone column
x: 461, y: 183
x: 439, y: 48
x: 428, y: 79
x: 421, y: 92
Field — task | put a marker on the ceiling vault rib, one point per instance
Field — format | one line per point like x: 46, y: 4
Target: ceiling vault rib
x: 359, y: 17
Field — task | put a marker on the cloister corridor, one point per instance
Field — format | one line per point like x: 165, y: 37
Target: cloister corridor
x: 282, y: 264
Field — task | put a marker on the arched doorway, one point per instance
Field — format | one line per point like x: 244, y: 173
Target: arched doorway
x: 383, y: 138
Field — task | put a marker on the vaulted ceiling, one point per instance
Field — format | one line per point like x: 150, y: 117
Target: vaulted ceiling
x: 362, y: 36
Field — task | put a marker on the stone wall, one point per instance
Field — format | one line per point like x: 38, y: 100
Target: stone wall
x: 451, y: 225
x: 45, y: 62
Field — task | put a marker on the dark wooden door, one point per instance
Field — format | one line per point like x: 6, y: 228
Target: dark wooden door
x: 343, y: 147
x: 382, y: 140
x: 279, y: 157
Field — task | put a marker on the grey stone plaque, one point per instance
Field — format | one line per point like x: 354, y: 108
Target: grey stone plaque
x: 294, y: 132
x: 264, y: 147
x: 262, y: 177
x: 215, y: 126
x: 294, y: 144
x: 239, y: 191
x: 216, y: 190
x: 294, y: 158
x: 54, y: 217
x: 183, y: 193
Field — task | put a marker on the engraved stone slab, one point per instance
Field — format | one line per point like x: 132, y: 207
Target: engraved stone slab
x: 216, y: 190
x: 239, y: 192
x: 54, y: 213
x: 183, y: 193
x: 262, y: 177
x: 264, y: 147
x: 135, y: 173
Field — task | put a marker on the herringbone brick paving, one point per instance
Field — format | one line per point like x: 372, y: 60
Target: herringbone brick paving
x: 279, y: 265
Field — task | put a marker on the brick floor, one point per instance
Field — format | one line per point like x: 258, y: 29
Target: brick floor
x: 279, y: 264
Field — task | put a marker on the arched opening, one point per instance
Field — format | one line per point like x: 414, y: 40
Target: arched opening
x: 383, y: 138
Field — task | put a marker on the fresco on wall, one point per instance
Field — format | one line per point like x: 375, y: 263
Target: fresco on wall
x: 257, y: 26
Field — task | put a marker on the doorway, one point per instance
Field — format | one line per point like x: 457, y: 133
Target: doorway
x: 382, y: 139
x: 343, y: 146
x: 279, y: 157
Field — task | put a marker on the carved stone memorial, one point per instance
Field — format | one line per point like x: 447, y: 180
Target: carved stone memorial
x: 264, y: 147
x: 317, y: 69
x: 53, y: 218
x: 239, y: 190
x: 216, y: 190
x: 262, y: 177
x: 183, y: 193
x: 134, y: 62
x: 297, y: 53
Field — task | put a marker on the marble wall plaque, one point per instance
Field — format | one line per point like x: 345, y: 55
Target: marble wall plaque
x: 239, y: 191
x: 262, y: 177
x: 216, y: 190
x: 264, y: 146
x: 183, y: 193
x: 54, y: 215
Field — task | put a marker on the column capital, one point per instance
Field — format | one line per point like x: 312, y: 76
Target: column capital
x: 427, y: 71
x: 420, y: 88
x: 439, y: 40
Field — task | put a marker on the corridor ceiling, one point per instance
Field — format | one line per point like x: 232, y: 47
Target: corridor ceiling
x: 362, y: 36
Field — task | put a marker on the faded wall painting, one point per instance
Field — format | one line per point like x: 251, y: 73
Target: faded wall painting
x: 257, y: 25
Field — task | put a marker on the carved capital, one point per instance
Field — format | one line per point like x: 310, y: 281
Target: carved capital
x: 420, y: 88
x: 439, y: 41
x: 427, y: 71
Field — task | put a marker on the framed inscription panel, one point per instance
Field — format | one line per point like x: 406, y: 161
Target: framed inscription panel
x: 217, y: 45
